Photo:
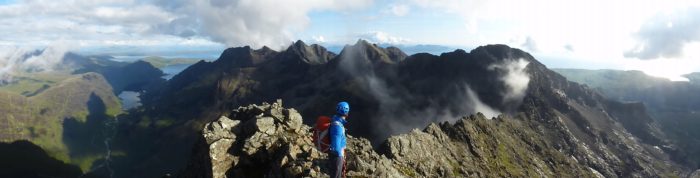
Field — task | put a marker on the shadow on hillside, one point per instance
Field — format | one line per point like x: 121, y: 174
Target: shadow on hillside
x: 86, y: 139
x: 24, y: 159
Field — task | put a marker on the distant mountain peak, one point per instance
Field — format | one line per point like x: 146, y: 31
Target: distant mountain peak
x: 299, y: 43
x: 314, y: 54
x: 500, y: 52
x: 265, y: 49
x: 364, y: 51
x: 362, y: 42
x: 245, y: 56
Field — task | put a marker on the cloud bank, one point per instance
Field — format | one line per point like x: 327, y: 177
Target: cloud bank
x: 530, y: 44
x: 398, y: 9
x: 666, y: 35
x: 17, y: 60
x: 161, y: 22
x: 381, y: 37
x: 515, y: 79
x: 248, y: 22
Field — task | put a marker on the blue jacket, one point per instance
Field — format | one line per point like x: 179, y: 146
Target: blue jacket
x: 337, y: 135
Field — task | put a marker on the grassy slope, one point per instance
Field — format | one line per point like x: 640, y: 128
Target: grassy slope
x: 40, y: 118
x: 30, y: 83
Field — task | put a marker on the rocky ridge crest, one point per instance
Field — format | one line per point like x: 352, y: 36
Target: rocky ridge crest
x: 270, y: 141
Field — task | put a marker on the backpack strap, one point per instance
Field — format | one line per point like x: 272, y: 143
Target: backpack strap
x: 322, y: 135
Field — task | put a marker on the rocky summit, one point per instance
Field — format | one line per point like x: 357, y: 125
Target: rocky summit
x: 269, y: 140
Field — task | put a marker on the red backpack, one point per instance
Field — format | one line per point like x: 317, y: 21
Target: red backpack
x: 321, y: 139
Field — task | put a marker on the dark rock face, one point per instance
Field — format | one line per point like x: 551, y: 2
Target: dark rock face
x: 137, y: 76
x: 314, y: 54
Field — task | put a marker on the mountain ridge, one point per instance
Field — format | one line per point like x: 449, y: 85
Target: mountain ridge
x: 672, y: 104
x: 391, y: 95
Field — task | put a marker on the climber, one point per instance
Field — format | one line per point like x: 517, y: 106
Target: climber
x: 337, y: 138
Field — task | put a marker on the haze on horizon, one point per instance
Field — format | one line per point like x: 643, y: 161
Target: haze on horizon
x: 661, y: 38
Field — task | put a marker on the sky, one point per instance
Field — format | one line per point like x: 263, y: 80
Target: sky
x: 661, y: 37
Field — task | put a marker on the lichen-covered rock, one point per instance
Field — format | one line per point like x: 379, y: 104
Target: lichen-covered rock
x: 363, y: 161
x: 271, y: 141
x: 254, y: 142
x: 220, y: 136
x: 224, y: 128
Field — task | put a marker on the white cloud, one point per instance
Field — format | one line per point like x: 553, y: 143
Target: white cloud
x: 38, y: 23
x: 569, y: 47
x: 478, y: 106
x: 665, y: 35
x: 604, y: 33
x: 515, y: 78
x: 601, y: 31
x: 598, y: 28
x: 252, y: 22
x: 530, y: 44
x: 48, y: 60
x: 383, y: 38
x: 398, y: 9
x: 319, y: 39
x: 671, y: 68
x: 469, y: 10
x: 17, y: 60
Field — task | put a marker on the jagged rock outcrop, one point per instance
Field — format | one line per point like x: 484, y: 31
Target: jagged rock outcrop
x: 270, y: 141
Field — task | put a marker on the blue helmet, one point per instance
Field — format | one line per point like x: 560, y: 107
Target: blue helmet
x: 343, y: 108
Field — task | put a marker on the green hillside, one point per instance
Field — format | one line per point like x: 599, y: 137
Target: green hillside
x: 75, y: 104
x: 69, y: 112
x: 32, y: 83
